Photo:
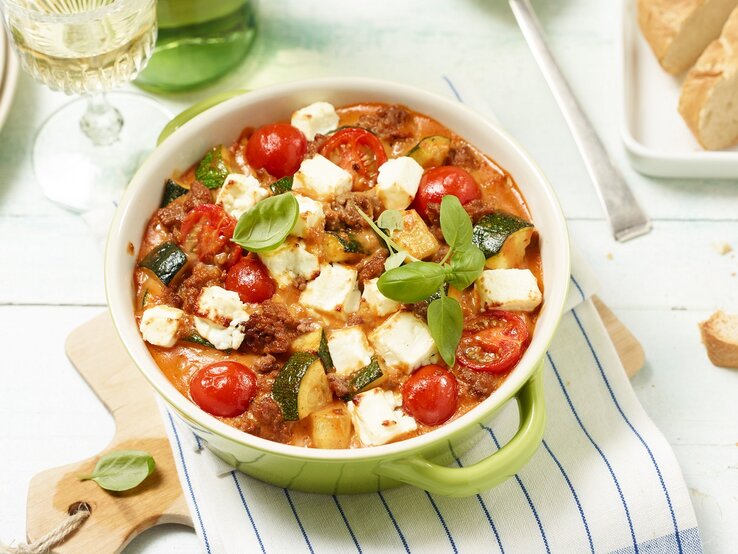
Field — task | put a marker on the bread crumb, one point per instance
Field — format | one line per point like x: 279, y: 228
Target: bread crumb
x: 720, y: 337
x: 610, y: 256
x: 722, y: 247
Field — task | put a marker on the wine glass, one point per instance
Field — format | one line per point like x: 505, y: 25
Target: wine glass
x: 85, y: 152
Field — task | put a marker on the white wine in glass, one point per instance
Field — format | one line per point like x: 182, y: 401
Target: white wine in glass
x: 85, y: 152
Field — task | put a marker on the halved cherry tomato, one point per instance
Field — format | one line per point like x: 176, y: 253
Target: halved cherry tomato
x: 431, y: 395
x: 439, y: 181
x: 251, y: 280
x: 498, y: 346
x: 223, y: 389
x: 207, y: 230
x: 357, y: 151
x: 279, y: 148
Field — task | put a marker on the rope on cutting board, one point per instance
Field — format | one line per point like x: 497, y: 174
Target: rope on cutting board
x: 78, y: 513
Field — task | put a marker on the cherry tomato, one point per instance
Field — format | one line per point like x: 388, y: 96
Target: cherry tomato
x: 357, y: 151
x: 207, y: 230
x: 498, y: 346
x: 251, y: 280
x: 279, y: 148
x: 439, y: 181
x: 431, y: 395
x: 223, y: 389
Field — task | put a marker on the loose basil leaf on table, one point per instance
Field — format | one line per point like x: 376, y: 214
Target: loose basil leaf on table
x: 456, y: 225
x: 413, y: 282
x: 265, y: 226
x: 446, y: 323
x: 122, y: 470
x: 466, y: 267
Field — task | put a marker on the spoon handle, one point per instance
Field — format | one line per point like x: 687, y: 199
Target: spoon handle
x: 626, y: 217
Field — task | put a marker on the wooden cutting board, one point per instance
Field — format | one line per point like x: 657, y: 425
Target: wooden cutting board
x: 117, y: 518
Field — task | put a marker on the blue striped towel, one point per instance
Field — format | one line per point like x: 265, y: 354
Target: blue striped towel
x: 603, y: 480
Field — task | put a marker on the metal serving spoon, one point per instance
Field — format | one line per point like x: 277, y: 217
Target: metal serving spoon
x: 627, y: 218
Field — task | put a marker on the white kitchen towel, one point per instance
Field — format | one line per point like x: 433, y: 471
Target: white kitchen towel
x: 603, y: 480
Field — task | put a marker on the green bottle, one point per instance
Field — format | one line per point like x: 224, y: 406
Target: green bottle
x: 198, y: 41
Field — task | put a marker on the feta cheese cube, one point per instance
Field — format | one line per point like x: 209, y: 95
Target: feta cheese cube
x: 240, y: 193
x: 378, y: 418
x: 334, y: 290
x: 159, y: 325
x: 397, y: 182
x: 319, y: 117
x: 289, y: 261
x: 377, y: 302
x: 321, y: 179
x: 404, y: 342
x: 349, y: 350
x: 220, y: 305
x: 311, y: 216
x: 222, y: 337
x: 509, y: 289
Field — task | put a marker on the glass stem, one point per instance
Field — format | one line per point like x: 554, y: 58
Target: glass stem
x: 101, y: 122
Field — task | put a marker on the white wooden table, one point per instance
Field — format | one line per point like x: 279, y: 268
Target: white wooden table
x: 660, y: 285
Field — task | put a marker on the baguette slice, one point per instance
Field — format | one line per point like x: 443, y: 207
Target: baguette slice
x: 709, y: 99
x: 679, y: 30
x: 720, y: 337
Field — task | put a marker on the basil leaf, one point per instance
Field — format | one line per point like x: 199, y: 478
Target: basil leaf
x: 456, y: 224
x: 212, y: 170
x: 446, y: 323
x: 122, y: 470
x: 282, y: 185
x: 466, y: 267
x: 395, y: 260
x: 413, y: 282
x: 390, y: 220
x: 266, y: 225
x: 391, y: 245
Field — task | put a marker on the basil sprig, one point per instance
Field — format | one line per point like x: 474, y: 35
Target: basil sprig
x: 390, y: 220
x: 122, y: 470
x: 265, y: 226
x: 446, y: 323
x: 416, y: 281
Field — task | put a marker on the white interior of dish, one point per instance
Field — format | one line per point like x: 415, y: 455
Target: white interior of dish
x: 223, y: 124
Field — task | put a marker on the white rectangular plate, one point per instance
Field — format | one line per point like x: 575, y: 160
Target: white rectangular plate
x: 656, y: 137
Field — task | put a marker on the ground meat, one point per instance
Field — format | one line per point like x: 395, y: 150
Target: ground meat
x: 420, y: 309
x: 265, y: 420
x: 270, y: 330
x: 433, y: 213
x: 306, y: 326
x: 338, y: 385
x: 174, y: 213
x: 389, y: 123
x: 478, y: 208
x: 265, y: 364
x: 355, y: 319
x: 342, y: 212
x: 440, y: 254
x: 203, y: 275
x: 481, y: 384
x: 373, y: 265
x: 464, y: 156
x: 314, y: 146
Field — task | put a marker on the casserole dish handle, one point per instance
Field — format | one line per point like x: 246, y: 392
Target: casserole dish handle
x: 491, y: 471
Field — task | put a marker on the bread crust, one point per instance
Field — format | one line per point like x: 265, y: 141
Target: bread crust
x: 717, y: 64
x: 720, y: 337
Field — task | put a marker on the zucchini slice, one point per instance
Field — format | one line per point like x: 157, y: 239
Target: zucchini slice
x: 172, y: 191
x: 212, y: 169
x: 330, y: 427
x: 165, y: 261
x: 316, y: 343
x: 281, y: 185
x: 362, y: 378
x: 341, y: 247
x: 503, y: 238
x: 197, y: 338
x: 431, y: 151
x: 301, y: 387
